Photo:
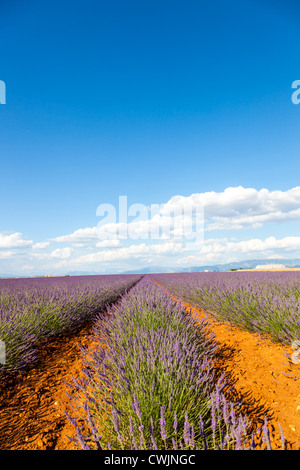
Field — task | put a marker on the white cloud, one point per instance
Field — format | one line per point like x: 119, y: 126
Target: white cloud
x: 256, y: 245
x: 219, y: 250
x: 28, y: 267
x: 6, y: 254
x: 13, y: 240
x: 40, y: 245
x: 62, y: 253
x: 108, y: 244
x: 161, y: 237
x: 141, y: 251
x: 235, y: 208
x: 158, y: 226
x: 81, y: 235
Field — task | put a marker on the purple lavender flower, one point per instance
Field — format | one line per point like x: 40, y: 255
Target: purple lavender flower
x: 131, y: 427
x: 213, y: 419
x: 136, y: 407
x: 82, y: 440
x: 151, y: 426
x: 142, y: 438
x: 283, y: 441
x: 186, y: 431
x: 162, y: 421
x: 175, y: 424
x: 154, y: 445
x: 115, y: 419
x: 266, y: 434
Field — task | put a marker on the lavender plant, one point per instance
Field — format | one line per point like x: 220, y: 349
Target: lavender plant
x: 34, y: 310
x: 153, y: 385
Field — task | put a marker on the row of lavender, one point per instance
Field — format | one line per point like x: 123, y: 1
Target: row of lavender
x: 34, y: 310
x: 263, y: 302
x: 153, y: 386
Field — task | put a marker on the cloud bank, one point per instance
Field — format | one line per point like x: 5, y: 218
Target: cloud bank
x: 237, y: 211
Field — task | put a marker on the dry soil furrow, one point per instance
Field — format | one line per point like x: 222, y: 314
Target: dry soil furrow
x: 33, y: 403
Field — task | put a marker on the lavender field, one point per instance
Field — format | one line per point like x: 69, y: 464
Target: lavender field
x: 154, y: 386
x: 263, y: 302
x: 149, y: 380
x: 34, y: 310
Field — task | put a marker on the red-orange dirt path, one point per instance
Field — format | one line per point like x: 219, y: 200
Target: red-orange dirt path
x: 262, y: 374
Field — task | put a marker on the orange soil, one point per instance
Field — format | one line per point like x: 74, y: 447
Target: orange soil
x: 33, y: 402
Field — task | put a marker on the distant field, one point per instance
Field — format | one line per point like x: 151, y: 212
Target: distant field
x: 282, y: 269
x: 266, y: 302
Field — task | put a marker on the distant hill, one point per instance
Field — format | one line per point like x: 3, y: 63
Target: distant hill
x: 153, y: 269
x: 246, y: 264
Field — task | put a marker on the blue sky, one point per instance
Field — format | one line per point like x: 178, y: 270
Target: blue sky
x: 151, y: 100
